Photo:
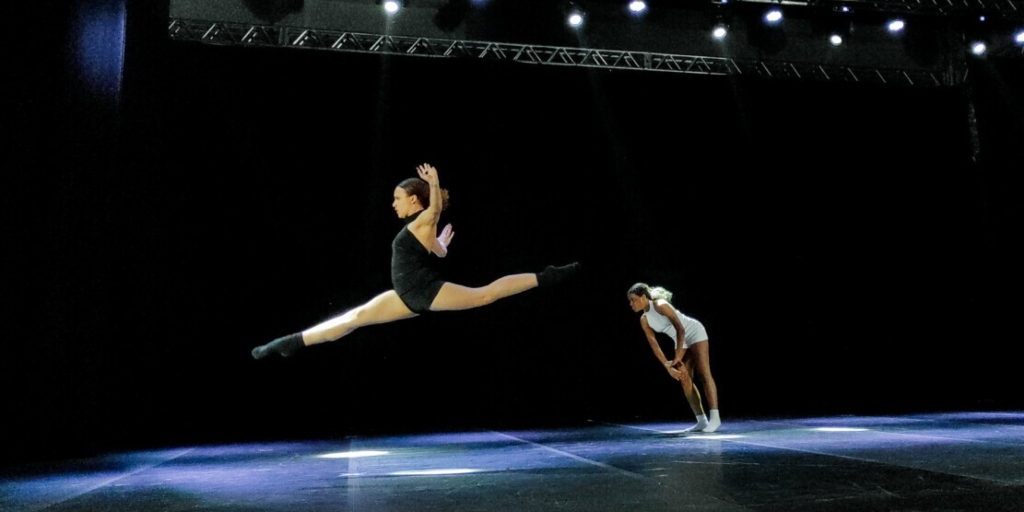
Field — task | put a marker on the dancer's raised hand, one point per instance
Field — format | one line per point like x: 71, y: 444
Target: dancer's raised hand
x: 428, y: 173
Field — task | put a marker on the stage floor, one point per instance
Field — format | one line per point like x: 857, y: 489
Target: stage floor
x: 927, y: 462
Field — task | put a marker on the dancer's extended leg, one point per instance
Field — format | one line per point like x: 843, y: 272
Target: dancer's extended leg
x: 455, y: 296
x: 386, y: 307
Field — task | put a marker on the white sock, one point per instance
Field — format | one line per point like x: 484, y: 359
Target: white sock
x: 715, y: 422
x: 702, y: 423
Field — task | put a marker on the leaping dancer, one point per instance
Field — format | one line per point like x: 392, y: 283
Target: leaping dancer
x: 418, y: 286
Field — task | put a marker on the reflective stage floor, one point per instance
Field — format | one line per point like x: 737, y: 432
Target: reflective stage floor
x: 927, y: 462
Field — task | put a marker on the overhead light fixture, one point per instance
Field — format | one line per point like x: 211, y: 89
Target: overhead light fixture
x: 832, y: 24
x: 769, y: 37
x: 574, y: 13
x: 391, y: 6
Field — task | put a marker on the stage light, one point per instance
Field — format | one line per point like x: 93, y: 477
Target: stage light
x: 637, y: 6
x: 392, y: 6
x: 719, y: 22
x: 832, y: 25
x: 575, y: 19
x: 769, y: 37
x: 896, y: 25
x: 1019, y: 37
x: 978, y: 48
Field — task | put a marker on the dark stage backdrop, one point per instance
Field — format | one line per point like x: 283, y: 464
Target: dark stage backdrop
x: 850, y: 248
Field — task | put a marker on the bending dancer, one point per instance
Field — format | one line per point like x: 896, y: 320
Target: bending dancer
x: 418, y: 287
x: 691, y: 349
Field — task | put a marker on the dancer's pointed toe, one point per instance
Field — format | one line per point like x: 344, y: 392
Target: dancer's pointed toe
x: 285, y: 346
x: 553, y: 275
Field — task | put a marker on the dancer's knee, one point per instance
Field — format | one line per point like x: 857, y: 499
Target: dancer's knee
x: 684, y: 373
x: 486, y: 295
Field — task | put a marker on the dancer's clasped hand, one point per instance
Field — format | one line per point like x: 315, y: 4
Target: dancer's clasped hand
x: 672, y: 372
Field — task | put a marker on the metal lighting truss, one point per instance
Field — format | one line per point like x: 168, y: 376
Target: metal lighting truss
x: 243, y: 34
x: 1007, y: 8
x: 1000, y: 15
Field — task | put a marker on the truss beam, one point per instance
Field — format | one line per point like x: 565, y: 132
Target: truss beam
x: 239, y: 34
x: 1004, y: 8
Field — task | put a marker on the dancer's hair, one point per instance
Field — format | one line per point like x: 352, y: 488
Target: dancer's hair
x: 421, y: 189
x: 652, y: 293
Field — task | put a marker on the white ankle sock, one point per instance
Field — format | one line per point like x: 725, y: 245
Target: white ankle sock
x: 702, y: 422
x: 716, y: 421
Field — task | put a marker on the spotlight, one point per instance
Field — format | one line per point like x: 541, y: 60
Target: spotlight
x: 637, y: 6
x: 769, y: 37
x: 978, y: 48
x: 832, y: 25
x: 896, y: 26
x: 1019, y: 37
x: 392, y: 6
x: 719, y: 22
x: 574, y: 11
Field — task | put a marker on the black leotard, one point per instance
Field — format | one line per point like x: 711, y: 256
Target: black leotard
x: 412, y: 270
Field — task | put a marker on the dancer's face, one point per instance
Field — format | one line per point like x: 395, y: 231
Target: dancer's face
x: 637, y: 303
x: 405, y: 204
